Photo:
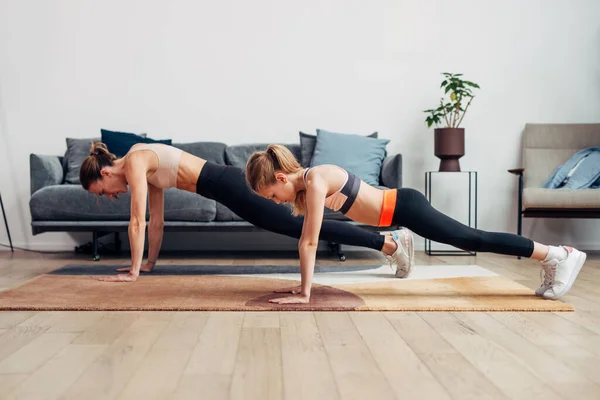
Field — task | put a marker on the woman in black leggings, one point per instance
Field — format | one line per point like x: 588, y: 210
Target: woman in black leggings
x: 275, y: 174
x: 147, y: 169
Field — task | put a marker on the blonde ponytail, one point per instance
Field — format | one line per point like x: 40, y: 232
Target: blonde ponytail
x: 262, y: 166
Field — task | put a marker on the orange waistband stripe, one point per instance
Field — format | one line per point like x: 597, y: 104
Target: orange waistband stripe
x: 388, y: 207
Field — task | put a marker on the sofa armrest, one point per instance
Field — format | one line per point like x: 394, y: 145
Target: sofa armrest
x: 391, y: 171
x: 45, y: 171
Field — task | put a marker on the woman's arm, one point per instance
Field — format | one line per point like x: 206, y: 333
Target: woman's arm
x: 316, y: 191
x: 135, y: 173
x: 155, y: 228
x: 157, y: 222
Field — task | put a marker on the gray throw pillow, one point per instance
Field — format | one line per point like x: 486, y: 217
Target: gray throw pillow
x: 307, y: 147
x: 358, y: 154
x: 77, y: 151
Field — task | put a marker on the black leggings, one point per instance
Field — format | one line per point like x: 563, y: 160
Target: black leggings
x: 414, y: 212
x: 227, y: 185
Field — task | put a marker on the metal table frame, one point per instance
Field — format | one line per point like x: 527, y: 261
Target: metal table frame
x: 472, y: 176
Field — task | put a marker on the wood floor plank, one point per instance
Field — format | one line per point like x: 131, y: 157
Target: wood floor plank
x: 38, y: 319
x: 258, y: 319
x: 17, y: 337
x: 161, y: 369
x: 529, y: 329
x: 355, y: 371
x: 588, y: 342
x: 209, y: 386
x: 579, y: 360
x: 552, y: 371
x: 108, y: 328
x: 37, y: 352
x: 516, y: 381
x: 9, y: 382
x: 557, y: 324
x: 406, y: 373
x: 217, y: 345
x: 258, y: 372
x: 306, y: 370
x: 9, y: 319
x: 56, y: 375
x: 212, y: 361
x: 112, y: 371
x: 460, y: 377
x: 451, y: 369
x: 72, y: 321
x: 420, y: 336
x: 584, y: 320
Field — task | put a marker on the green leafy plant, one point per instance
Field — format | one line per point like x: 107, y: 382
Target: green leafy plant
x: 452, y: 112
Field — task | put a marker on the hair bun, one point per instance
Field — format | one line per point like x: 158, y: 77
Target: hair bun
x: 99, y: 149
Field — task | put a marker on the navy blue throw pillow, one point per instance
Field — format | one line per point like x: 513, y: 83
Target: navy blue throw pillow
x: 119, y: 143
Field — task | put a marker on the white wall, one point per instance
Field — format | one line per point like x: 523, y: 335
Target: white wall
x: 245, y: 71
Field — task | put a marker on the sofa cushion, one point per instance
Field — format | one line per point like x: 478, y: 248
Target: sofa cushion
x: 73, y: 203
x: 210, y: 151
x: 77, y: 151
x: 181, y: 205
x: 307, y: 147
x: 119, y: 143
x: 561, y: 198
x: 360, y: 155
x: 238, y: 155
x: 225, y: 214
x: 44, y: 171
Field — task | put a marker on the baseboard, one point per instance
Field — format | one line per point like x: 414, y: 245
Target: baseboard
x: 38, y: 246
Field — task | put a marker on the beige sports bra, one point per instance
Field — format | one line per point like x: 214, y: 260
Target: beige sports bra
x: 165, y: 175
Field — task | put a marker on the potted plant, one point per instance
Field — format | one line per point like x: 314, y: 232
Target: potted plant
x: 449, y: 141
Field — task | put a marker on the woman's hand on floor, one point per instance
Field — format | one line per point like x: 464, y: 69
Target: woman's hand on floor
x: 118, y: 278
x: 291, y: 300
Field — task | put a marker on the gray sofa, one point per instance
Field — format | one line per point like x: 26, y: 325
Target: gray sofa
x: 57, y: 206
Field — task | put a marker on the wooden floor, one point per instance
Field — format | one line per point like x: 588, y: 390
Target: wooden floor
x: 328, y: 355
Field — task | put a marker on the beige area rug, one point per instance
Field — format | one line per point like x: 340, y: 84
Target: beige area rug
x: 238, y: 288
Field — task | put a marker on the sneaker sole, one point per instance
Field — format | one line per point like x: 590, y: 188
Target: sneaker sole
x: 573, y: 276
x: 411, y: 255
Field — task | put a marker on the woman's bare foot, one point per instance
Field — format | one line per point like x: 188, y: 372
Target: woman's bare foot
x: 147, y: 267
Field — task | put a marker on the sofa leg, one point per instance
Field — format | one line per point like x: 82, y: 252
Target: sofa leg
x: 337, y: 249
x: 95, y: 255
x: 117, y: 243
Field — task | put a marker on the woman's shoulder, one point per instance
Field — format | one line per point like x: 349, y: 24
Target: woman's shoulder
x: 329, y: 170
x: 328, y: 175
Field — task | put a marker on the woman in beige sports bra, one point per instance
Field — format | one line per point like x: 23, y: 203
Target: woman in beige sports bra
x: 147, y: 169
x: 276, y: 174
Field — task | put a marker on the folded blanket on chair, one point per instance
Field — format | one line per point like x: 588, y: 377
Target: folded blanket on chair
x: 581, y: 171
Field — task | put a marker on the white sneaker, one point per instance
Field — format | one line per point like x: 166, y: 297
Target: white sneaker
x: 565, y: 272
x: 404, y: 256
x: 548, y: 271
